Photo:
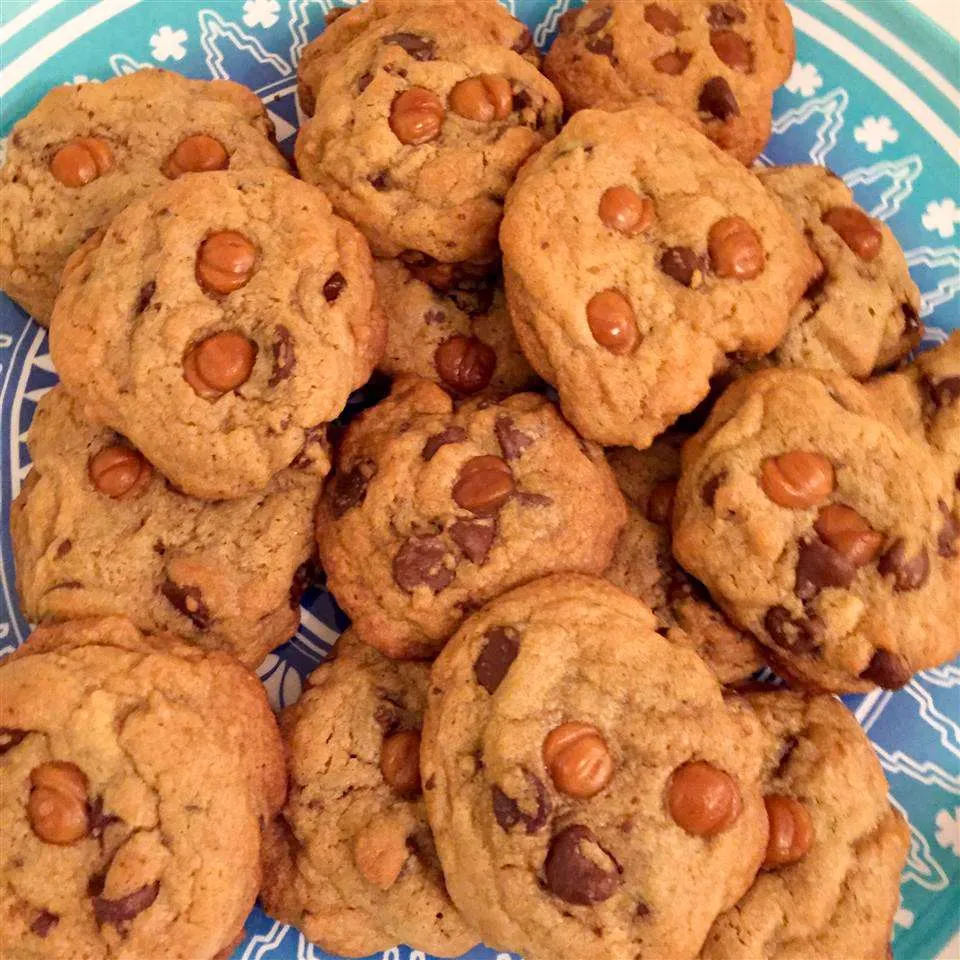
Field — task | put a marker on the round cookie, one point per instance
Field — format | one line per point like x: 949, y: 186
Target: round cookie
x: 644, y: 567
x: 85, y: 152
x: 436, y: 508
x: 591, y: 793
x: 637, y: 256
x: 455, y: 331
x: 712, y: 65
x: 862, y: 313
x: 482, y: 21
x: 219, y: 324
x: 831, y: 881
x: 135, y: 773
x: 820, y: 525
x: 420, y: 138
x: 96, y: 531
x: 355, y: 820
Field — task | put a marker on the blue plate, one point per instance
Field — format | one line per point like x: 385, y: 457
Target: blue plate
x: 873, y: 94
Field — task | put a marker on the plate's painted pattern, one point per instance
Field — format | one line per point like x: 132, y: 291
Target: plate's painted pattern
x: 858, y: 99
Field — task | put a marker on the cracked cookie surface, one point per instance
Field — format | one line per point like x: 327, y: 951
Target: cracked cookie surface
x: 219, y: 324
x: 822, y: 526
x: 862, y: 313
x: 220, y: 575
x: 637, y: 256
x: 436, y: 508
x: 831, y: 884
x: 421, y: 136
x: 116, y: 837
x: 713, y: 65
x: 457, y: 332
x: 643, y: 563
x: 568, y: 784
x: 353, y: 863
x: 57, y: 187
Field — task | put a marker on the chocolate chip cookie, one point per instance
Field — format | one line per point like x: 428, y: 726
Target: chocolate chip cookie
x: 637, y: 256
x: 421, y: 136
x: 355, y: 819
x: 713, y: 65
x: 862, y: 312
x: 97, y: 531
x: 450, y: 325
x: 219, y: 324
x: 483, y: 21
x: 85, y: 152
x: 823, y: 527
x: 591, y: 793
x: 436, y: 508
x: 643, y: 564
x: 830, y: 882
x: 135, y: 773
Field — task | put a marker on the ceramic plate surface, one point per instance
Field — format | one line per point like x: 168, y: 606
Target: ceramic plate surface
x: 873, y: 95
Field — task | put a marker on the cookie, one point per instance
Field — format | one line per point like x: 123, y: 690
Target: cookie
x: 96, y: 531
x: 482, y: 21
x: 644, y: 567
x: 85, y: 152
x: 135, y: 773
x: 436, y: 508
x: 637, y: 257
x: 831, y: 879
x: 355, y: 820
x: 421, y: 135
x: 579, y: 809
x: 712, y: 65
x: 451, y: 326
x: 824, y: 528
x: 861, y: 313
x: 219, y: 324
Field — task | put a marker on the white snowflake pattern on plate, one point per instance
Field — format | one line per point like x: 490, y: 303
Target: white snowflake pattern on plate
x: 168, y: 43
x: 941, y: 216
x: 261, y: 13
x: 948, y: 830
x: 804, y: 79
x: 875, y: 133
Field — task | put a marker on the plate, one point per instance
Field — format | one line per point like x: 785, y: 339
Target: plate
x: 868, y: 96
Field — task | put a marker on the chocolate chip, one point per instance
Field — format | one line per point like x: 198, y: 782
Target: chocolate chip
x: 599, y: 22
x: 888, y: 670
x: 710, y: 488
x: 43, y: 923
x: 380, y: 181
x: 819, y: 566
x: 909, y: 573
x: 125, y: 908
x: 717, y: 99
x: 420, y: 48
x: 349, y: 489
x: 509, y: 814
x: 680, y: 264
x: 334, y: 286
x: 642, y: 911
x: 189, y: 601
x: 364, y: 81
x: 573, y: 875
x: 65, y: 547
x: 949, y: 532
x: 98, y: 820
x: 9, y: 738
x: 523, y: 42
x: 301, y: 580
x: 284, y: 357
x: 438, y: 440
x: 725, y: 15
x: 434, y: 317
x: 521, y: 100
x: 499, y: 651
x: 602, y: 46
x: 474, y: 538
x: 528, y: 499
x: 421, y: 561
x: 146, y: 295
x: 796, y: 635
x: 512, y: 440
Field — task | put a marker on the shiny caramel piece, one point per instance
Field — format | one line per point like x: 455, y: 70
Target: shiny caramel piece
x: 861, y: 234
x: 196, y: 154
x: 578, y: 760
x: 624, y: 210
x: 797, y: 479
x: 380, y: 851
x: 842, y: 528
x: 735, y: 249
x: 483, y: 98
x: 119, y: 472
x: 57, y: 806
x: 219, y: 364
x: 416, y: 116
x: 400, y: 762
x: 702, y: 799
x: 791, y: 831
x: 732, y: 49
x: 81, y: 161
x: 484, y: 485
x: 612, y: 321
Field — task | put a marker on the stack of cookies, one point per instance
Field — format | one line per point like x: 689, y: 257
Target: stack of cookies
x: 652, y: 428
